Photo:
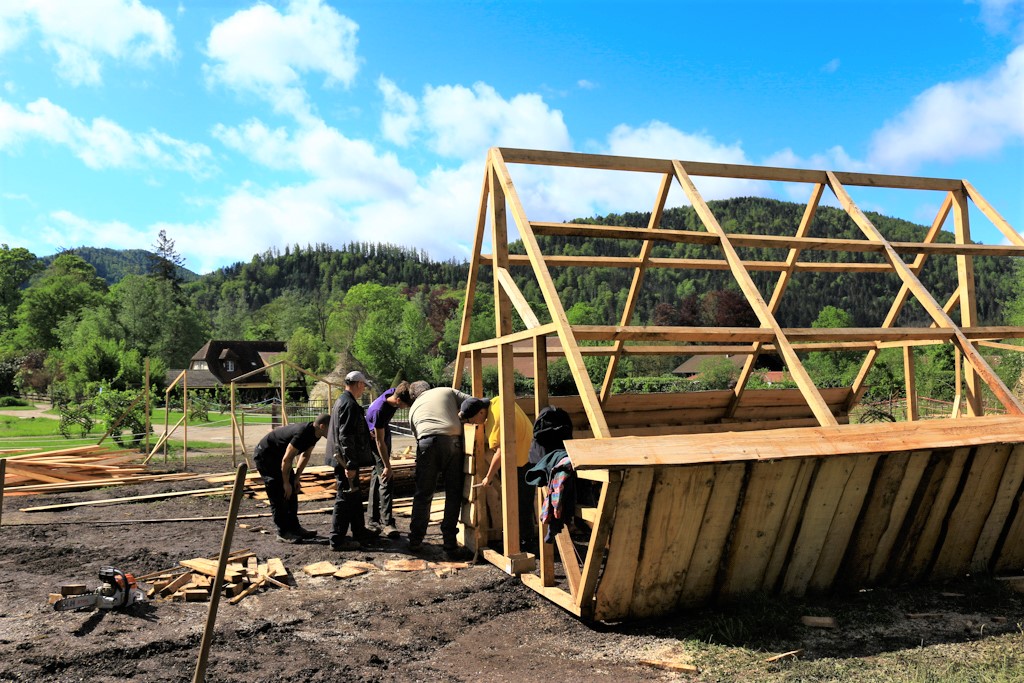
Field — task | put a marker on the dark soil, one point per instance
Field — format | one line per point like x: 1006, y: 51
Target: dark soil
x: 476, y: 625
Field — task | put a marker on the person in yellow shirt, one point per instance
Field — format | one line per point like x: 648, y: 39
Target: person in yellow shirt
x: 488, y: 413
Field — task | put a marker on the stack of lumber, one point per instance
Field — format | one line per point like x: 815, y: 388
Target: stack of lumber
x: 192, y: 580
x: 77, y: 469
x: 317, y: 482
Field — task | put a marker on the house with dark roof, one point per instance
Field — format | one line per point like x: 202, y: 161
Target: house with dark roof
x: 219, y: 362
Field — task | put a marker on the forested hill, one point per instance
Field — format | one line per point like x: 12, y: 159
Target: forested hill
x: 866, y: 296
x: 112, y: 265
x: 325, y: 273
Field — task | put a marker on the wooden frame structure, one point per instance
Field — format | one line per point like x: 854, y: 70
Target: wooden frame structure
x: 713, y: 495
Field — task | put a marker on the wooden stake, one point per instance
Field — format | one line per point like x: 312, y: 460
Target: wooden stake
x: 148, y: 406
x: 3, y: 475
x: 222, y: 562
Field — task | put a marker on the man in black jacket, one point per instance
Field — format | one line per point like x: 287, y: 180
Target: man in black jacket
x: 350, y: 449
x: 274, y: 456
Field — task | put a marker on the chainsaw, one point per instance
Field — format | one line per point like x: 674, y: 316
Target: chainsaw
x: 117, y: 590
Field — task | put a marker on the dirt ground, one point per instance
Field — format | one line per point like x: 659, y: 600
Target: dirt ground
x: 477, y: 625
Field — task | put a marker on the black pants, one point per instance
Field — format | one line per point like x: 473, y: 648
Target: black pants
x: 380, y: 494
x: 285, y: 512
x: 438, y: 455
x: 348, y: 508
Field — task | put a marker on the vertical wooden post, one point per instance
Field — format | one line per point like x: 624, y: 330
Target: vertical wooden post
x: 506, y: 379
x: 234, y: 426
x: 184, y: 404
x: 959, y: 395
x: 540, y: 374
x: 167, y: 420
x: 911, y: 381
x: 968, y: 307
x: 218, y: 581
x: 149, y: 407
x: 3, y: 477
x: 284, y: 399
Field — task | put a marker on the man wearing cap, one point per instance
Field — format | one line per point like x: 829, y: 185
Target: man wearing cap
x: 273, y: 457
x: 434, y: 418
x: 488, y: 413
x: 350, y: 448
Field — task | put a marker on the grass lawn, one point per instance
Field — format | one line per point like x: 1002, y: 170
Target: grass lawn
x: 43, y: 434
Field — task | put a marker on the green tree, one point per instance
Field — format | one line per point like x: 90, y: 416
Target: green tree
x: 832, y: 368
x: 154, y: 321
x: 91, y: 357
x: 16, y: 267
x: 309, y: 352
x: 65, y: 288
x: 166, y: 263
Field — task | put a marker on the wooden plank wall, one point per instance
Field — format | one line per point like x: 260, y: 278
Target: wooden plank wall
x: 698, y: 412
x: 691, y: 535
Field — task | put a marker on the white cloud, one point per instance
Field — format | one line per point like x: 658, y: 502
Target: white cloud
x: 1001, y: 15
x: 82, y: 34
x: 351, y: 168
x: 831, y: 66
x: 463, y: 123
x: 266, y: 53
x: 969, y: 118
x: 64, y: 230
x: 100, y: 143
x: 400, y: 118
x: 584, y: 84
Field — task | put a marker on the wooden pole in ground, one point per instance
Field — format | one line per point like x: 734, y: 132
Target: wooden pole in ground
x: 3, y: 476
x: 218, y: 581
x: 148, y: 406
x: 234, y: 426
x: 184, y: 403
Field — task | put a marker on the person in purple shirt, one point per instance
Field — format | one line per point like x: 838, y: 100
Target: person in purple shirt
x: 378, y: 419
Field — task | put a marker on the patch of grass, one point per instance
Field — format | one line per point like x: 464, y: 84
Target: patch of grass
x: 14, y: 403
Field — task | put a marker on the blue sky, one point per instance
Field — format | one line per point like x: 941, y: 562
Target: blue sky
x: 241, y: 126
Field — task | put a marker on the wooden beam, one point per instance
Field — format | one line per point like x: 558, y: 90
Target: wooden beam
x: 802, y: 334
x: 749, y: 289
x: 646, y: 165
x: 474, y: 274
x: 1005, y: 396
x: 773, y: 303
x: 543, y: 330
x: 773, y: 241
x: 638, y: 279
x: 519, y: 302
x: 910, y: 380
x: 997, y: 220
x: 591, y: 404
x: 968, y: 307
x: 859, y: 383
x: 792, y: 442
x: 607, y: 504
x: 558, y: 261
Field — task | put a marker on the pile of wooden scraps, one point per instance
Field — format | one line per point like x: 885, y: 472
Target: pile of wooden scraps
x: 193, y: 579
x: 353, y: 568
x: 77, y: 469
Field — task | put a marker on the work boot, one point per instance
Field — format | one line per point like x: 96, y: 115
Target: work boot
x: 346, y: 544
x: 391, y: 531
x: 306, y: 533
x: 288, y: 536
